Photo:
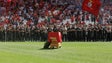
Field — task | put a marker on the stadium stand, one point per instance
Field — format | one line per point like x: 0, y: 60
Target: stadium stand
x: 31, y: 20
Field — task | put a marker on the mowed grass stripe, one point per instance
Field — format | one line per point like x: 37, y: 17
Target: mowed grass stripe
x: 70, y: 52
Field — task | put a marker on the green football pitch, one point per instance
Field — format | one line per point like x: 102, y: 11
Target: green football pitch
x: 71, y: 52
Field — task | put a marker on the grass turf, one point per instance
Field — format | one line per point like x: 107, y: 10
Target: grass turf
x: 71, y: 52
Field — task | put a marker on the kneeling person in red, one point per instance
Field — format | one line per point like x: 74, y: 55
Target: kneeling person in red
x: 54, y: 40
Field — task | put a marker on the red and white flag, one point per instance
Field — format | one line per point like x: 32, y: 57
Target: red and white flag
x: 92, y: 6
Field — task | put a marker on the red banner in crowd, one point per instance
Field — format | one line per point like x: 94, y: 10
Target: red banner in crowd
x: 8, y: 0
x: 92, y: 6
x: 55, y: 36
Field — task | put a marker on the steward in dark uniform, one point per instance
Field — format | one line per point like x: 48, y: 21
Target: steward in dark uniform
x: 111, y: 32
x: 27, y: 33
x: 18, y: 33
x: 1, y: 36
x: 45, y: 34
x: 22, y: 34
x: 83, y: 34
x: 78, y: 30
x: 9, y: 35
x: 108, y: 34
x: 73, y: 33
x: 37, y: 36
x: 14, y: 30
x: 32, y: 33
x: 64, y: 33
x: 98, y: 34
x: 95, y: 34
x: 104, y: 34
x: 41, y: 34
x: 2, y: 33
x: 89, y: 35
x: 69, y: 34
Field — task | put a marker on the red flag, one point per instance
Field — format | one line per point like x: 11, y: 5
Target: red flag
x: 8, y: 0
x: 92, y: 6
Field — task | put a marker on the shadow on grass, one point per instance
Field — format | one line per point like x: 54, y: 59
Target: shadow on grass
x: 49, y: 48
x: 46, y: 49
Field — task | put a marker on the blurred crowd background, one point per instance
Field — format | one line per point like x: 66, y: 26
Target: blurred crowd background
x: 31, y: 20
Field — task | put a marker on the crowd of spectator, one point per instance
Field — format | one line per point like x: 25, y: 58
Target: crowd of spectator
x: 31, y: 20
